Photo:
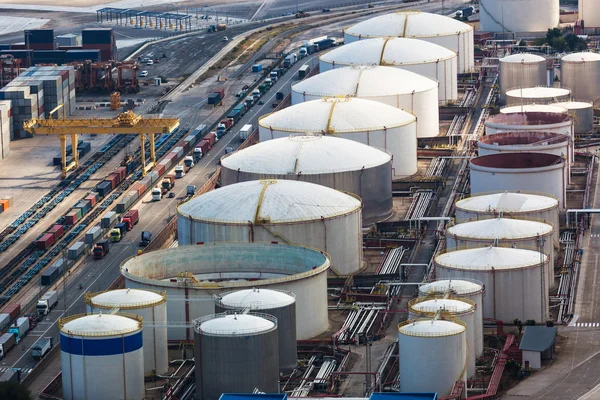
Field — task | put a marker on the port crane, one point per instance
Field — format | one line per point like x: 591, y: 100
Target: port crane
x: 124, y: 124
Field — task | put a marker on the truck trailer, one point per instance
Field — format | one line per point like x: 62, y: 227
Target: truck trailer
x: 47, y: 302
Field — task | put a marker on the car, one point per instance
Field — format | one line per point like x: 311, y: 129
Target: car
x: 171, y: 195
x: 149, y: 62
x: 326, y: 10
x: 260, y: 102
x: 144, y: 73
x: 225, y: 38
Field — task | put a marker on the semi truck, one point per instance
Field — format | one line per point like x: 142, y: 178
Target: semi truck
x: 274, y: 76
x: 118, y: 232
x: 41, y: 348
x: 168, y: 183
x: 131, y: 218
x: 145, y: 238
x: 47, y: 302
x: 188, y: 162
x: 7, y: 342
x: 290, y: 60
x: 11, y: 375
x: 156, y: 194
x: 101, y: 249
x: 179, y: 172
x: 191, y: 190
x: 223, y: 127
x: 20, y: 328
x: 245, y: 132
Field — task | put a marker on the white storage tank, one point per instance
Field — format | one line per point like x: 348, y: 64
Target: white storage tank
x: 149, y: 305
x: 395, y: 87
x: 198, y: 273
x: 236, y: 353
x: 512, y: 278
x: 334, y: 162
x: 364, y: 121
x: 536, y: 95
x: 543, y: 173
x: 432, y: 355
x: 520, y: 205
x: 518, y: 233
x: 461, y: 309
x: 582, y: 113
x: 470, y: 289
x: 424, y: 58
x: 530, y: 121
x: 589, y: 13
x: 534, y: 108
x: 521, y: 70
x: 280, y: 304
x: 278, y: 211
x: 101, y: 357
x: 434, y: 28
x: 580, y: 72
x: 519, y: 16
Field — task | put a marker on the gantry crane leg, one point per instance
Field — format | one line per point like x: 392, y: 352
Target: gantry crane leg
x: 143, y: 153
x: 63, y: 154
x: 74, y: 138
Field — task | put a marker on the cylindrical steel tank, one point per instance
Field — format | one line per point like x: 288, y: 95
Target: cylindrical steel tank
x: 589, y: 13
x: 536, y: 95
x: 101, y: 357
x: 424, y: 58
x: 530, y: 121
x: 434, y: 28
x: 521, y: 205
x: 464, y: 288
x: 278, y: 303
x: 512, y: 279
x: 149, y: 305
x: 521, y: 70
x: 518, y: 233
x: 524, y: 142
x: 543, y: 173
x: 278, y: 211
x: 534, y: 108
x: 192, y: 275
x: 364, y: 121
x: 519, y: 16
x: 582, y: 113
x: 236, y: 353
x: 580, y: 72
x: 333, y: 162
x: 456, y: 308
x: 432, y: 355
x: 395, y: 87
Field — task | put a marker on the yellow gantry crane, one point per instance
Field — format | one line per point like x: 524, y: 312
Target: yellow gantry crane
x: 125, y: 123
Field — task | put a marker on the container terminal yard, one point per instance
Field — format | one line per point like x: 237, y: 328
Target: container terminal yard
x: 363, y: 200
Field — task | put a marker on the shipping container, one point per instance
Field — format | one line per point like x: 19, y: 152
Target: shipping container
x: 108, y: 219
x: 85, y: 206
x: 122, y: 171
x: 13, y: 310
x: 140, y: 188
x: 97, y: 36
x: 160, y: 168
x: 104, y: 188
x: 113, y: 179
x: 211, y: 138
x: 257, y: 68
x: 39, y: 36
x: 92, y: 235
x: 214, y: 98
x: 57, y: 231
x: 72, y: 217
x: 91, y: 198
x: 76, y: 250
x: 45, y: 241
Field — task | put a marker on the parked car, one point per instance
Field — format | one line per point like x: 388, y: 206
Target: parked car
x: 225, y: 38
x: 260, y: 102
x: 150, y: 62
x: 144, y: 74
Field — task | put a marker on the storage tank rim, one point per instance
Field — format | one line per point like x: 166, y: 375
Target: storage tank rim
x: 477, y: 289
x: 456, y: 331
x: 431, y: 311
x: 89, y: 299
x: 235, y: 332
x: 109, y: 333
x: 256, y: 305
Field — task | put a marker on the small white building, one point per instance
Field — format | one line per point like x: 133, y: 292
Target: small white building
x: 537, y: 345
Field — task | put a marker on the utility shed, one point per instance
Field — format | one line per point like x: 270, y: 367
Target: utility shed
x: 537, y: 345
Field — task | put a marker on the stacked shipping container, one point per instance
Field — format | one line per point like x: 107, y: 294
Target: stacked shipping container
x: 6, y: 127
x: 102, y: 39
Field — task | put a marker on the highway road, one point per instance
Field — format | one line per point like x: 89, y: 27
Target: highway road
x: 97, y: 275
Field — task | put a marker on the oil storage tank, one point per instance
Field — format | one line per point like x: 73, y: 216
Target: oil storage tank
x: 364, y: 121
x: 536, y: 95
x: 432, y: 355
x: 434, y: 28
x: 278, y: 303
x: 235, y: 353
x: 395, y: 87
x: 521, y: 70
x: 470, y: 289
x: 278, y: 211
x: 151, y: 306
x: 512, y: 279
x: 461, y: 309
x: 538, y: 172
x: 589, y: 13
x: 534, y: 108
x: 517, y: 233
x: 193, y: 275
x: 101, y: 357
x: 516, y: 15
x: 520, y: 205
x: 580, y: 72
x: 424, y: 58
x: 530, y: 121
x: 334, y: 162
x: 582, y: 113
